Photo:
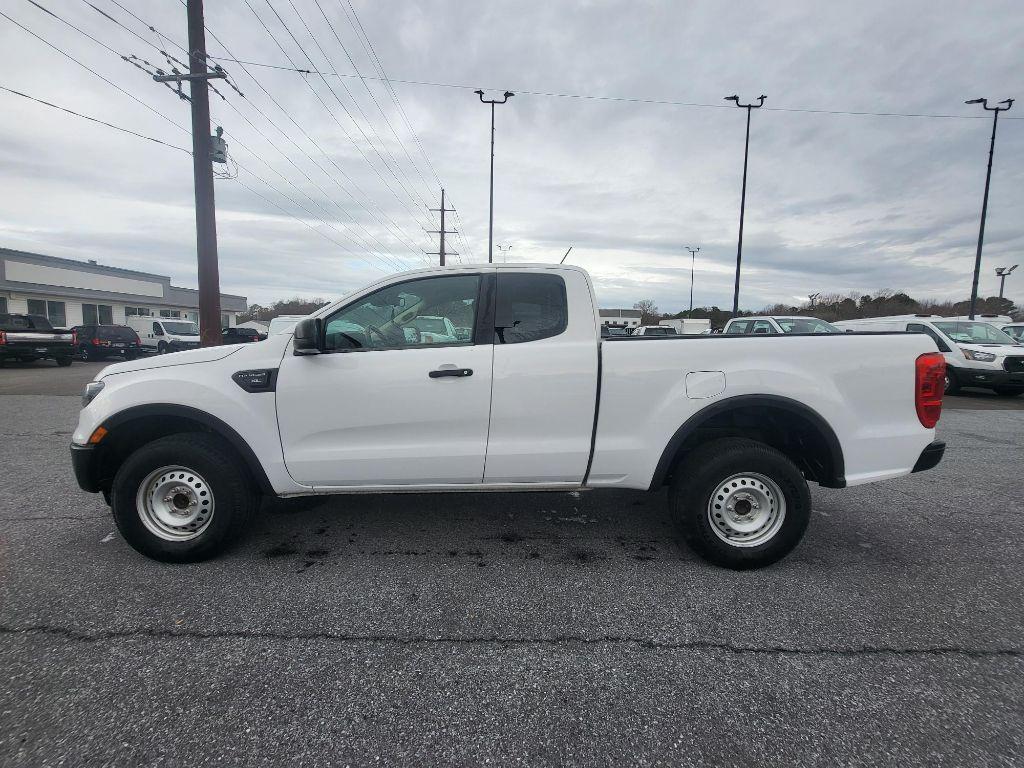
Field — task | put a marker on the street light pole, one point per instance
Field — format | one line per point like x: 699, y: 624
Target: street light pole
x: 504, y: 249
x: 743, y: 196
x: 984, y: 201
x: 693, y: 260
x: 490, y: 225
x: 1002, y: 273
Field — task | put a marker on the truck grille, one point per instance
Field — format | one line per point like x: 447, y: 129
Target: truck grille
x: 1014, y: 364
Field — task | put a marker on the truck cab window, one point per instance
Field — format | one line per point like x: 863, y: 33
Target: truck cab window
x: 529, y: 307
x: 432, y: 311
x: 740, y: 326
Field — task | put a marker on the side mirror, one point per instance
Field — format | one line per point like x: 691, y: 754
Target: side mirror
x: 308, y: 337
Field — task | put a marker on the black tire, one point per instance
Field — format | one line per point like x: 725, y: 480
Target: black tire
x: 701, y: 474
x: 231, y: 489
x: 161, y: 348
x: 83, y: 352
x: 130, y: 355
x: 952, y: 382
x: 1009, y: 391
x: 64, y: 362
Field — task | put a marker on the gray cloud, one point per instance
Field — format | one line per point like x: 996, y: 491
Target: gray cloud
x: 835, y: 202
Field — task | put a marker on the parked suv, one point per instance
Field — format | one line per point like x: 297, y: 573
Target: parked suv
x: 771, y: 325
x: 240, y: 335
x: 655, y: 330
x: 96, y: 342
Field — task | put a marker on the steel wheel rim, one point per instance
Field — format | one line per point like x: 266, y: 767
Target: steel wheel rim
x: 175, y: 503
x: 747, y: 509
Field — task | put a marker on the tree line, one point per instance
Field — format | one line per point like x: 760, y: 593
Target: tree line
x: 838, y: 306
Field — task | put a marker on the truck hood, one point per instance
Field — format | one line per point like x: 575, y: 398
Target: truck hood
x: 204, y: 355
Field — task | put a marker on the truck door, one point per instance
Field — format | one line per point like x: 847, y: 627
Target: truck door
x: 387, y: 405
x: 545, y: 378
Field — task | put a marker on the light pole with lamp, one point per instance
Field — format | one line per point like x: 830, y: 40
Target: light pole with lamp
x: 490, y: 225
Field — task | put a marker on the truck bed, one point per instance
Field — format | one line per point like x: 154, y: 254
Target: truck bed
x: 859, y: 384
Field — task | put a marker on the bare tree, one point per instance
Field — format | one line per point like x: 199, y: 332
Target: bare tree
x: 648, y: 310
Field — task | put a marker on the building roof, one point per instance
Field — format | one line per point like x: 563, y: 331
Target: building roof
x: 162, y: 292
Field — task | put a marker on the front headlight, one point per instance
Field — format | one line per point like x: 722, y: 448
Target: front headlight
x: 981, y: 357
x: 92, y: 389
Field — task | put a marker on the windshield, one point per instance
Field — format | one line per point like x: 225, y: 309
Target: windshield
x: 24, y: 322
x: 181, y: 328
x: 973, y: 332
x: 429, y: 325
x: 805, y: 325
x: 115, y: 333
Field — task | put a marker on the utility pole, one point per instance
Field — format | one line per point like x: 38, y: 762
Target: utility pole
x: 490, y: 226
x: 743, y: 196
x: 984, y: 201
x: 504, y: 249
x: 441, y: 252
x: 1002, y: 273
x: 202, y: 170
x: 693, y: 261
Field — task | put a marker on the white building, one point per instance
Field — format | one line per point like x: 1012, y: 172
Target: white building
x: 70, y: 292
x: 621, y: 318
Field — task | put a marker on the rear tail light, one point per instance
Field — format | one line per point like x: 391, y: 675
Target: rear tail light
x: 74, y: 338
x: 929, y: 384
x: 3, y: 337
x: 95, y: 342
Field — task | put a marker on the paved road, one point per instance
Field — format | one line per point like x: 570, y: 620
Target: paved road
x: 525, y: 629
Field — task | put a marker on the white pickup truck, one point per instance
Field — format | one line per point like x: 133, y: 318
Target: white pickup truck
x: 358, y: 400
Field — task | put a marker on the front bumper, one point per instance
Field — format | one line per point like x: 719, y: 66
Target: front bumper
x: 84, y: 462
x: 978, y: 377
x: 181, y: 346
x: 930, y: 456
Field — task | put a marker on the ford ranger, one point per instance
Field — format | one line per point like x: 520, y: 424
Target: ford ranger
x: 358, y: 399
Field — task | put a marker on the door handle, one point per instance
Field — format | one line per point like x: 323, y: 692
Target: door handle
x: 457, y: 372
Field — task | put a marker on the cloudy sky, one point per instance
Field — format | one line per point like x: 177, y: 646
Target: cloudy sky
x: 332, y: 184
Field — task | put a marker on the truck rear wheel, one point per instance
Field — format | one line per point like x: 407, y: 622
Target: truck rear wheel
x: 182, y: 498
x: 740, y: 504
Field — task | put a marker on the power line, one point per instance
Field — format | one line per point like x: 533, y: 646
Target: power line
x: 625, y: 99
x: 114, y: 85
x: 359, y: 107
x: 390, y: 225
x: 93, y: 71
x: 329, y: 112
x: 341, y: 171
x: 364, y: 40
x: 95, y: 120
x: 236, y: 140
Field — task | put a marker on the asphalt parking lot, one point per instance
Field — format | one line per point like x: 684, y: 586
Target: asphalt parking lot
x: 525, y: 629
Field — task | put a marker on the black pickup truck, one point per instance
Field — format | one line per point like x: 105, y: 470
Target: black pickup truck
x: 31, y: 337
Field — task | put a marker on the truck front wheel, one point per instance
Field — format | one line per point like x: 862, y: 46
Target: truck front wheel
x: 182, y: 498
x: 740, y: 504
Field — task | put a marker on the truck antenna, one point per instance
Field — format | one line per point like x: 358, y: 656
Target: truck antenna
x: 566, y: 254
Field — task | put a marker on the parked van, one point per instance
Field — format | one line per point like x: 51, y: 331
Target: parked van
x: 977, y: 353
x: 162, y: 335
